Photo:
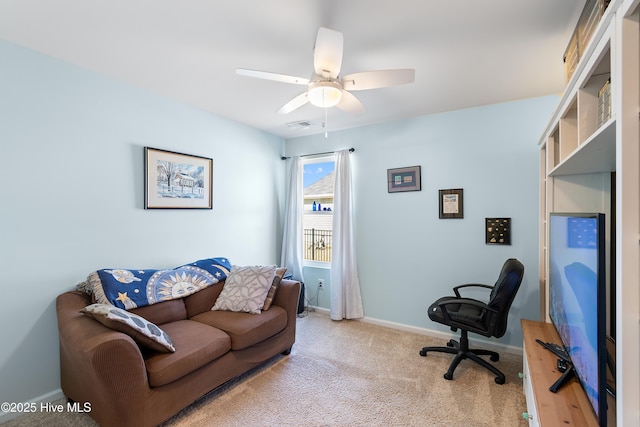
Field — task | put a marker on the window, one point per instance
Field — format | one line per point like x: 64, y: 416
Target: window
x: 319, y: 175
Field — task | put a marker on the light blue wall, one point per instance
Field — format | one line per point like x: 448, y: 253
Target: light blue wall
x: 71, y: 153
x: 407, y: 256
x: 71, y: 146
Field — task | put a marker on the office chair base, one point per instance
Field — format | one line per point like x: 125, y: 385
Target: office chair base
x: 462, y: 351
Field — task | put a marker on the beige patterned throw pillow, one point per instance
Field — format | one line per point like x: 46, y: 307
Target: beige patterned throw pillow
x: 246, y: 289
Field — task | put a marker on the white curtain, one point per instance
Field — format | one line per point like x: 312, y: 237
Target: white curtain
x: 292, y: 238
x: 346, y: 301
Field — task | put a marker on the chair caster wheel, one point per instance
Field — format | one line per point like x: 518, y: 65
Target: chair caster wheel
x: 423, y: 353
x: 494, y: 357
x: 449, y: 376
x: 499, y: 380
x: 450, y: 343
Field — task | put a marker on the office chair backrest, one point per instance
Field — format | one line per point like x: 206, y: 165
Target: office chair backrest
x: 503, y: 293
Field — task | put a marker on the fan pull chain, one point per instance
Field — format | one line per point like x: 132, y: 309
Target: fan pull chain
x: 326, y: 133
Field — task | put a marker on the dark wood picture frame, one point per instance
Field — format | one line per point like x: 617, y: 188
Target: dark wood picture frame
x: 451, y: 203
x: 498, y: 231
x: 404, y: 179
x: 177, y: 181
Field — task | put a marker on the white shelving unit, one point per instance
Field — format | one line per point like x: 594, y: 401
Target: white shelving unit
x: 590, y: 161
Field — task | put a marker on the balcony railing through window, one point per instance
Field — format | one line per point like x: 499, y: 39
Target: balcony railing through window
x: 317, y: 245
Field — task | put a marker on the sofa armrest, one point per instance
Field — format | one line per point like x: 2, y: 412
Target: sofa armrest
x: 97, y: 364
x: 287, y: 297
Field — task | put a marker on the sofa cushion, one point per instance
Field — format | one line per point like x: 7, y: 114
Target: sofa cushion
x: 196, y: 345
x: 245, y: 289
x: 164, y: 312
x: 246, y: 329
x: 274, y: 287
x: 140, y: 329
x: 202, y: 300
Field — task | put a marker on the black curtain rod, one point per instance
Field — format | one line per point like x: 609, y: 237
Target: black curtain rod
x: 351, y: 150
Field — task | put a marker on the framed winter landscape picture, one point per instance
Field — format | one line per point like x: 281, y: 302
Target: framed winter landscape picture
x: 177, y: 181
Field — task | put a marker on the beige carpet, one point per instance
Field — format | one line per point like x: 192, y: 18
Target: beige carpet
x: 351, y: 373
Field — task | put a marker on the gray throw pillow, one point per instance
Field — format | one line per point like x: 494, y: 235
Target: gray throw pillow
x: 140, y: 329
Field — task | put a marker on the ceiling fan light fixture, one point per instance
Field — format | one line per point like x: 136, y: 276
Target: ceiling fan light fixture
x: 325, y: 94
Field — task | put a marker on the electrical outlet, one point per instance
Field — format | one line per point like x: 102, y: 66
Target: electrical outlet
x: 320, y: 283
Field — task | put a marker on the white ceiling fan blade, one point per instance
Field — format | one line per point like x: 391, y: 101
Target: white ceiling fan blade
x: 294, y: 104
x: 327, y: 55
x: 272, y: 76
x: 351, y: 104
x: 377, y: 79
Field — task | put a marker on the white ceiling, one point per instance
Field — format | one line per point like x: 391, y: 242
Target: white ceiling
x: 466, y: 53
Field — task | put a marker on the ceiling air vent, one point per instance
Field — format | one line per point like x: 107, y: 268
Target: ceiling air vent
x: 299, y: 125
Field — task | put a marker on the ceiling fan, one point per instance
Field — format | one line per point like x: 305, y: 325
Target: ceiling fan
x: 326, y: 88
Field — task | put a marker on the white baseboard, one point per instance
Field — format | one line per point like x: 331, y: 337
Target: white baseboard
x: 429, y: 332
x: 52, y: 396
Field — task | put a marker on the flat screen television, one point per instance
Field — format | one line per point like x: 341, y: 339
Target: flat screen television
x: 577, y: 298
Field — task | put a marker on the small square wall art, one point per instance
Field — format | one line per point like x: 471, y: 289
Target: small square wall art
x: 404, y: 179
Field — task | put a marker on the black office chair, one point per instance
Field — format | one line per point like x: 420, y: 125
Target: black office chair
x: 470, y: 315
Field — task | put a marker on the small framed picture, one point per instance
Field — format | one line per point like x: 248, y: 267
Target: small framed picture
x: 451, y: 203
x: 177, y: 181
x: 404, y: 179
x: 498, y: 231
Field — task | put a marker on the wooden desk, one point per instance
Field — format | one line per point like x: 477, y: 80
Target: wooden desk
x: 569, y: 406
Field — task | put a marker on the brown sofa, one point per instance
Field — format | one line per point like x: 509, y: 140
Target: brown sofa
x: 129, y: 385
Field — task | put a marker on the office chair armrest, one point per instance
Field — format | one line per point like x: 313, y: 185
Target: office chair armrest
x: 469, y: 285
x: 462, y: 301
